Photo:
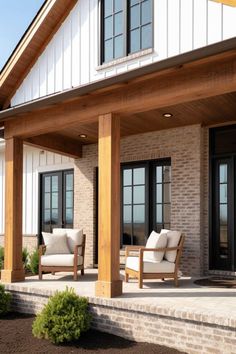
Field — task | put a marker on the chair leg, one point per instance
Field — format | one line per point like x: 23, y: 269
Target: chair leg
x: 176, y: 281
x: 140, y: 281
x: 40, y: 274
x: 82, y: 271
x: 75, y: 275
x: 126, y: 277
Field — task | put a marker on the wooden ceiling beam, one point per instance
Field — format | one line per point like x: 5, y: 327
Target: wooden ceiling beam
x: 185, y: 84
x: 227, y: 2
x: 57, y: 143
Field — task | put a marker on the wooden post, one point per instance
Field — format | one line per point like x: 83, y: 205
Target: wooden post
x: 109, y: 283
x: 13, y: 266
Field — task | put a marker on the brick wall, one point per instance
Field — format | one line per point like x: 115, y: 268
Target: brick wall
x: 187, y: 331
x: 184, y: 147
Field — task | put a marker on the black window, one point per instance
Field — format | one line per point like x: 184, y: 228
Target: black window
x: 139, y: 25
x: 126, y: 27
x: 113, y: 27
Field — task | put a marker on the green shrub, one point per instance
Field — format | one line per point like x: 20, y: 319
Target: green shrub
x: 5, y: 300
x: 63, y: 319
x: 1, y: 257
x: 34, y: 262
x: 25, y: 256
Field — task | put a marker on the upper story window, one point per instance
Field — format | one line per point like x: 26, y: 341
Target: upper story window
x: 126, y: 27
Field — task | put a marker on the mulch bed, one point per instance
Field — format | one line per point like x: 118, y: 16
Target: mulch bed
x: 217, y: 282
x: 16, y: 337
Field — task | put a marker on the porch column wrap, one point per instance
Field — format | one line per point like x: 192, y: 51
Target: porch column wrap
x: 109, y: 283
x: 13, y: 267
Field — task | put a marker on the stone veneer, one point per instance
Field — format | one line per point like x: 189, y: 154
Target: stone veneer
x: 185, y: 148
x: 189, y: 331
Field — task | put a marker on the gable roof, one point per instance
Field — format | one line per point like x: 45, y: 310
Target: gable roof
x: 44, y: 25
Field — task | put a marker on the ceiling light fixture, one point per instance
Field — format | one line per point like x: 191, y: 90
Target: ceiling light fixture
x: 83, y: 136
x: 167, y: 115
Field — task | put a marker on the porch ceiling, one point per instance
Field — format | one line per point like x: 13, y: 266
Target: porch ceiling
x: 208, y: 112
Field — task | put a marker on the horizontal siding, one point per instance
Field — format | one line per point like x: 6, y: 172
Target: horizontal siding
x: 72, y: 57
x: 35, y: 161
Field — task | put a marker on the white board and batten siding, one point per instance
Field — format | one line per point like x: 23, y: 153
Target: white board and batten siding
x: 35, y: 162
x: 71, y: 58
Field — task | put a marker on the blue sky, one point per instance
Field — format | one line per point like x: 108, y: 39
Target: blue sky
x: 15, y: 16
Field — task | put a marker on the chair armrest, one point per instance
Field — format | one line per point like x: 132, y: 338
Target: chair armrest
x: 129, y: 249
x: 42, y: 249
x: 163, y: 249
x: 77, y: 247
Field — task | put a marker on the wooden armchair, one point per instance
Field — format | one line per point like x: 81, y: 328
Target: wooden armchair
x: 71, y: 262
x: 137, y: 266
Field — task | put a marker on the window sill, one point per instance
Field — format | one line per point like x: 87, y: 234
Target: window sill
x: 125, y: 59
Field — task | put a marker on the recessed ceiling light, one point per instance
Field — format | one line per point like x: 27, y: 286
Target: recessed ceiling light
x: 83, y: 136
x: 167, y: 115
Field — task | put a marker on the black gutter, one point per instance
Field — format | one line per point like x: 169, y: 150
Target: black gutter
x: 176, y: 61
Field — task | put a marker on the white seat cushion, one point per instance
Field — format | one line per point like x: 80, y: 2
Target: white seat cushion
x: 60, y: 260
x: 150, y: 266
x: 155, y: 240
x: 55, y: 243
x: 74, y: 238
x: 173, y: 238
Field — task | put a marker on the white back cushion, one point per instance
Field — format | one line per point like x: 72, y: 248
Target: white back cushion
x: 173, y: 238
x: 55, y: 243
x: 155, y: 240
x: 74, y: 238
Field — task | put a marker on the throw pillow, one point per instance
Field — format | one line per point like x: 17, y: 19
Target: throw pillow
x: 74, y: 238
x: 55, y: 243
x: 173, y: 238
x: 155, y: 240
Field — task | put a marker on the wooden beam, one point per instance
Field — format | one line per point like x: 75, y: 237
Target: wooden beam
x: 109, y: 283
x: 227, y: 2
x: 58, y: 144
x: 207, y: 78
x: 13, y: 266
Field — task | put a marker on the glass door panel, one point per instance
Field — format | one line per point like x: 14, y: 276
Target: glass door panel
x: 222, y: 216
x: 146, y: 200
x: 57, y: 200
x: 51, y: 208
x: 134, y: 211
x: 162, y: 196
x: 68, y: 199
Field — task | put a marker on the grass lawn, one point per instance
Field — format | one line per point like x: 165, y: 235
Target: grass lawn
x: 16, y: 337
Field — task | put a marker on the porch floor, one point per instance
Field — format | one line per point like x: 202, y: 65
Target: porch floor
x: 188, y: 301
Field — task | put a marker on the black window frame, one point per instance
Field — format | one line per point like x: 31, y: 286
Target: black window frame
x: 220, y: 154
x: 126, y: 32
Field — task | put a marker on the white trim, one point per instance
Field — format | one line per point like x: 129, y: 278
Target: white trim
x: 58, y: 167
x: 125, y: 59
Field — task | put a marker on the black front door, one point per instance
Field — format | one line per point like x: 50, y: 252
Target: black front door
x: 57, y: 200
x: 223, y: 199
